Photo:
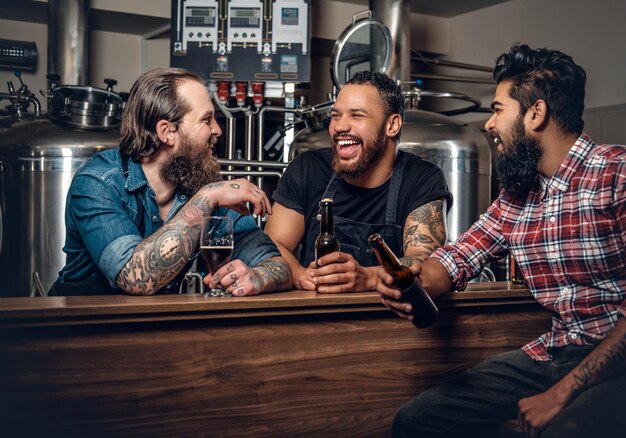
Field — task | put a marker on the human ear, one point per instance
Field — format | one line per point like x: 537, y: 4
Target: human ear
x: 394, y: 124
x: 538, y: 115
x: 165, y: 132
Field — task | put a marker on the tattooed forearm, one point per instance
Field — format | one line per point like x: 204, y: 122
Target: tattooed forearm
x: 425, y: 230
x: 158, y: 259
x: 600, y: 368
x: 161, y: 256
x: 273, y: 275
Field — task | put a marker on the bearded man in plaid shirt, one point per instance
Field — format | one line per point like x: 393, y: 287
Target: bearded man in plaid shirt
x: 562, y: 215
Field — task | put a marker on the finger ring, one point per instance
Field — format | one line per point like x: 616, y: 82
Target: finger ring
x: 235, y: 185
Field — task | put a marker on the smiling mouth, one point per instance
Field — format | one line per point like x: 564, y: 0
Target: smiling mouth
x: 347, y: 148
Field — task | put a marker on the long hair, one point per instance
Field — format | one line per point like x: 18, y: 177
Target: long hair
x: 549, y: 75
x: 153, y: 97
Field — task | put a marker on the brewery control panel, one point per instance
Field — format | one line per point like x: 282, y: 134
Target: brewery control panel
x: 242, y: 40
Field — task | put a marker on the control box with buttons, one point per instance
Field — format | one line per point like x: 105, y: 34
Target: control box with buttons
x: 242, y: 40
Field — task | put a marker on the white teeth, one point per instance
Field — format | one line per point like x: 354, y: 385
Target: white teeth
x: 496, y: 140
x: 346, y: 142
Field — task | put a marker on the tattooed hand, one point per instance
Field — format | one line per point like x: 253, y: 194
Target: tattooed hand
x: 240, y: 280
x: 234, y: 194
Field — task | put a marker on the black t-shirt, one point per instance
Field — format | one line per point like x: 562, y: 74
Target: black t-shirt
x: 305, y: 180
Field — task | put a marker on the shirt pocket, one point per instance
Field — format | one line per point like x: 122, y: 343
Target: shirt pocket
x: 594, y: 252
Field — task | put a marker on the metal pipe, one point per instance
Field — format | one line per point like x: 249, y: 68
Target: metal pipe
x: 249, y: 152
x: 265, y: 164
x: 417, y: 56
x: 68, y: 40
x: 245, y: 173
x: 396, y: 15
x: 261, y: 126
x: 231, y: 131
x: 453, y: 78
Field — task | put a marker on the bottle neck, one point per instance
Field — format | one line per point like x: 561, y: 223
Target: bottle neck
x: 327, y: 224
x: 385, y: 256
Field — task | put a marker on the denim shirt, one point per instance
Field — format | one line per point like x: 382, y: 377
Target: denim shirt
x: 103, y: 224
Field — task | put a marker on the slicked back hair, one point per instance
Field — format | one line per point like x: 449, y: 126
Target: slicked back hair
x: 153, y: 97
x: 549, y: 75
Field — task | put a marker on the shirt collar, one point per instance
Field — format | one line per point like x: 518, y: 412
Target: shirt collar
x: 574, y: 159
x: 135, y: 179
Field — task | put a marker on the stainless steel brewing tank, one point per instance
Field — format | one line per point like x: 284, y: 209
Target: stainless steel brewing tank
x: 38, y: 159
x: 459, y: 149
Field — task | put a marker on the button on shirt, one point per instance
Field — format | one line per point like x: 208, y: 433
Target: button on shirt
x: 568, y: 238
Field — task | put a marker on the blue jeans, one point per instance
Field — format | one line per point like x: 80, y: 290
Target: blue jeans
x: 475, y: 403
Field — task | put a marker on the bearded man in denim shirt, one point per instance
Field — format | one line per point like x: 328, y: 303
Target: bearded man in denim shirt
x: 134, y: 215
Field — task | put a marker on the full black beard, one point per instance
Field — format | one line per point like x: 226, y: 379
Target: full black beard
x: 517, y: 165
x: 189, y: 171
x: 367, y: 160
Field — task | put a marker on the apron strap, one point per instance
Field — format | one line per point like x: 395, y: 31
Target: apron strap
x: 394, y: 188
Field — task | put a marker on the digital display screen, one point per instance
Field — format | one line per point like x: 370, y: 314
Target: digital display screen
x: 290, y: 12
x: 245, y: 13
x: 201, y: 12
x: 289, y: 16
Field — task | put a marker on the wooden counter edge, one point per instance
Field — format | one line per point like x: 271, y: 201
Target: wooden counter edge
x: 54, y: 311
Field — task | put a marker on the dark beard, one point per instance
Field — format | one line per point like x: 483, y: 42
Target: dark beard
x: 366, y: 161
x: 517, y: 165
x: 189, y: 171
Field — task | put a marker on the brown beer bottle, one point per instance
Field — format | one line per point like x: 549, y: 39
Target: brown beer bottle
x: 326, y: 242
x: 516, y: 274
x: 424, y: 310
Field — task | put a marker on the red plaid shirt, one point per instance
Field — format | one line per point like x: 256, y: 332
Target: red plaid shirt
x: 568, y: 238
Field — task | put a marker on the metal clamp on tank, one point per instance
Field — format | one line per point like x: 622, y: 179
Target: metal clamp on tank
x: 20, y: 99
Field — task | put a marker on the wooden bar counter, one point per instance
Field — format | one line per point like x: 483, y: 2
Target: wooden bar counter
x: 286, y: 364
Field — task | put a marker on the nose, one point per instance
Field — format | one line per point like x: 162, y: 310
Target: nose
x: 489, y: 124
x: 339, y: 124
x: 215, y: 129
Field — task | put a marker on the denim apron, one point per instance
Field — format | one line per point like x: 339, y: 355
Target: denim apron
x: 353, y: 235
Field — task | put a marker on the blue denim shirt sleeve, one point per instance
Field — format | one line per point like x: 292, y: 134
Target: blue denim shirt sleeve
x: 252, y: 245
x: 101, y: 219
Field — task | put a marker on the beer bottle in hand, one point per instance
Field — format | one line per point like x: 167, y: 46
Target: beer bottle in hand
x: 516, y: 274
x: 326, y: 242
x: 424, y: 310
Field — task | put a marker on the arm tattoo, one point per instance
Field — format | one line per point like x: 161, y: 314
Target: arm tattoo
x: 272, y: 275
x: 161, y: 256
x: 600, y: 368
x: 425, y: 231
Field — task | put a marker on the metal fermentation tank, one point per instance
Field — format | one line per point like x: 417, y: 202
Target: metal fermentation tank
x: 38, y: 159
x: 39, y: 154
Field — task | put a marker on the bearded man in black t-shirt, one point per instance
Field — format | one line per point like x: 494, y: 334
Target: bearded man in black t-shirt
x: 375, y: 187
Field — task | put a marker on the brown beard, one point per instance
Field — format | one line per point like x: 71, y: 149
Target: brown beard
x: 368, y: 158
x: 190, y: 170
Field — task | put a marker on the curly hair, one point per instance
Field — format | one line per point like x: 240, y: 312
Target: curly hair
x: 153, y: 97
x: 549, y: 75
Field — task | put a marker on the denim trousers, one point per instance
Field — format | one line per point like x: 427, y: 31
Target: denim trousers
x: 476, y: 402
